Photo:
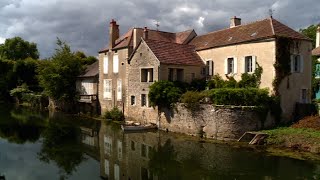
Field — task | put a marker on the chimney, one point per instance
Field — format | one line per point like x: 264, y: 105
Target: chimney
x: 234, y: 21
x: 145, y: 33
x: 318, y: 36
x: 113, y: 33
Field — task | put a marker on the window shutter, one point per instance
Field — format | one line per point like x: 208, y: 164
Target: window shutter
x: 226, y: 66
x: 301, y: 63
x: 115, y: 63
x: 119, y: 90
x: 235, y: 65
x: 105, y: 65
x: 292, y: 63
x: 254, y: 63
x: 244, y: 65
x: 210, y: 68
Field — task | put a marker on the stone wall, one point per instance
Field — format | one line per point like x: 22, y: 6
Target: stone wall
x: 214, y: 122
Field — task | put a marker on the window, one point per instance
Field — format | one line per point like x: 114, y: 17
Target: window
x: 107, y: 145
x: 170, y: 74
x: 105, y: 65
x: 143, y: 150
x: 133, y: 100
x: 115, y: 63
x: 147, y: 75
x: 133, y: 146
x: 296, y: 63
x: 180, y: 75
x: 193, y: 76
x: 107, y: 93
x: 86, y: 87
x: 107, y: 167
x: 248, y: 63
x: 143, y: 100
x: 119, y: 149
x: 230, y: 65
x: 119, y: 90
x: 304, y: 96
x: 209, y: 68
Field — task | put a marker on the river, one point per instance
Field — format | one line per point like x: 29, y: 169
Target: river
x: 40, y: 145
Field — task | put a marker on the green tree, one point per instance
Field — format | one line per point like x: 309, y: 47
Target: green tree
x: 311, y: 32
x: 164, y: 94
x: 57, y: 76
x: 84, y: 59
x: 16, y: 48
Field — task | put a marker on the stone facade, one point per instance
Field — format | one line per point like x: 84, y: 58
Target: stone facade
x: 143, y: 58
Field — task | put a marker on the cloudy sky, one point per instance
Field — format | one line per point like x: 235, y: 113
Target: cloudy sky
x: 83, y: 24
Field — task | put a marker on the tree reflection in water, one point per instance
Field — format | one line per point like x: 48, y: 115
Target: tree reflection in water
x: 21, y: 125
x: 163, y: 162
x: 61, y: 145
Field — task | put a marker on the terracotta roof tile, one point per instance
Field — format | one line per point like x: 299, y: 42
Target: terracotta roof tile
x: 316, y: 51
x: 126, y: 39
x: 263, y: 29
x: 173, y: 53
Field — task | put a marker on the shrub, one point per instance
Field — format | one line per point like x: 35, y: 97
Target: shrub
x: 191, y: 100
x: 198, y: 85
x: 115, y: 114
x: 164, y: 94
x: 216, y: 82
x: 239, y: 96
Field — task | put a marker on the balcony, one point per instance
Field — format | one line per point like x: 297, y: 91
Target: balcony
x: 88, y: 98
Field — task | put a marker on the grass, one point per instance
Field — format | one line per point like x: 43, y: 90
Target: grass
x: 301, y: 139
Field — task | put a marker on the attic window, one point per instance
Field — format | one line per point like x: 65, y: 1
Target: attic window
x: 230, y: 38
x: 254, y: 34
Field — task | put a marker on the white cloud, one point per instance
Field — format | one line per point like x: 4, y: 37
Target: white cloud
x: 2, y: 40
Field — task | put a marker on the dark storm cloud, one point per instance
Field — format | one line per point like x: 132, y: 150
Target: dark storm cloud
x: 84, y: 24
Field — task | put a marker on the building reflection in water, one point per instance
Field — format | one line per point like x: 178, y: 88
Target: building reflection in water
x: 159, y: 155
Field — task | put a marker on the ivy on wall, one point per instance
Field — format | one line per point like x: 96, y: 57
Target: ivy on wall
x: 282, y: 64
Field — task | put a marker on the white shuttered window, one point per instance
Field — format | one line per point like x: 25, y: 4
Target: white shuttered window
x: 105, y: 65
x: 115, y: 63
x: 119, y: 90
x: 107, y: 85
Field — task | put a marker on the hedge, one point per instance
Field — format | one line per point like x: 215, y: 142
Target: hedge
x: 239, y: 96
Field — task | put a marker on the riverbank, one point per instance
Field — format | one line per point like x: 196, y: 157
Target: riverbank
x: 301, y: 136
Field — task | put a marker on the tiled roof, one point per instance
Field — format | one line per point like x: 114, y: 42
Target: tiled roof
x: 126, y: 39
x: 263, y: 29
x: 173, y: 53
x: 316, y: 51
x: 91, y: 70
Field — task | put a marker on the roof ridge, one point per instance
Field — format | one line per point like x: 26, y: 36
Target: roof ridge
x: 272, y: 27
x: 212, y: 32
x: 169, y: 42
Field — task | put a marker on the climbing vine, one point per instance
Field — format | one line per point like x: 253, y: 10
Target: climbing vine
x: 282, y: 64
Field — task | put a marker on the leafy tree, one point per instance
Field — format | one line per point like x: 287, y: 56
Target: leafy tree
x: 26, y: 72
x: 57, y: 76
x: 84, y: 59
x: 16, y: 48
x: 164, y: 94
x: 311, y: 32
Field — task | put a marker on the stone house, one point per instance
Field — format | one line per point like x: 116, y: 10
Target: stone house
x: 154, y: 60
x: 239, y: 48
x: 87, y: 86
x: 132, y: 62
x: 113, y: 62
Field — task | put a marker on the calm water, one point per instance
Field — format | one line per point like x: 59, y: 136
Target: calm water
x: 53, y: 146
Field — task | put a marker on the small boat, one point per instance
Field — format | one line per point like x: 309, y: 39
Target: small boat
x: 135, y: 127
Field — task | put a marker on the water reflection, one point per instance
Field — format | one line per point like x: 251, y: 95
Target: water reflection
x: 56, y: 146
x: 157, y: 156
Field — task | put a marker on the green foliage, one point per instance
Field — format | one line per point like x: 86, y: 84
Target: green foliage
x: 84, y: 59
x: 239, y: 96
x: 7, y: 78
x: 57, y: 76
x: 282, y: 64
x: 251, y: 80
x: 310, y: 32
x: 164, y: 94
x: 115, y: 114
x: 16, y: 48
x: 25, y: 71
x: 198, y: 85
x: 216, y: 82
x: 191, y: 100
